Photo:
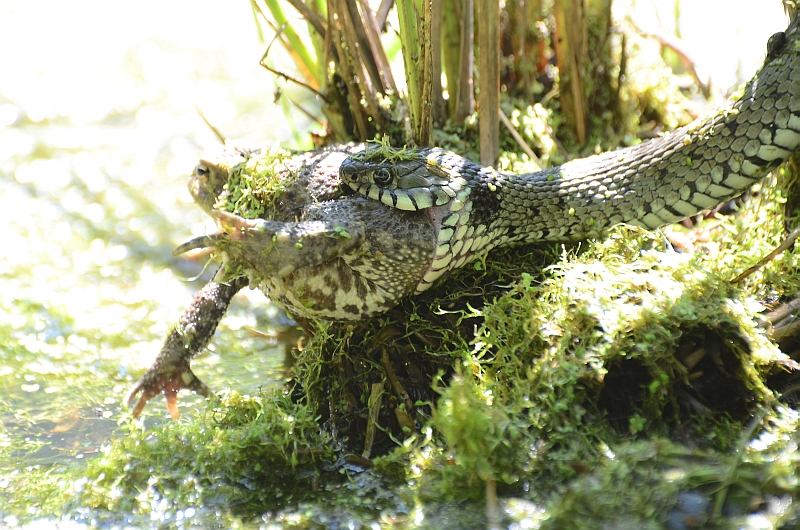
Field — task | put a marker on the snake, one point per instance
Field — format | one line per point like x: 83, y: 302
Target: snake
x: 475, y: 209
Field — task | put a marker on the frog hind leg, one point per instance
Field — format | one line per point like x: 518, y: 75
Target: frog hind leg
x: 171, y: 371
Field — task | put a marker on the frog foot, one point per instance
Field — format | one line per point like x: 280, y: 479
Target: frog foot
x: 167, y: 381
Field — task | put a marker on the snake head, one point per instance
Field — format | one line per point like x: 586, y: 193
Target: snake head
x: 410, y: 180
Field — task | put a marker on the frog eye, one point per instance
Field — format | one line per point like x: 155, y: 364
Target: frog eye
x: 382, y: 176
x: 201, y: 170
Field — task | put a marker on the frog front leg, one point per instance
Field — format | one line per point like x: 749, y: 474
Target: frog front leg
x: 276, y: 249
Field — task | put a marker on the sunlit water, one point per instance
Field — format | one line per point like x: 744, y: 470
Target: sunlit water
x: 98, y: 130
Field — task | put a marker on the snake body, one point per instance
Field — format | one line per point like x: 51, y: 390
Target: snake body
x: 474, y: 209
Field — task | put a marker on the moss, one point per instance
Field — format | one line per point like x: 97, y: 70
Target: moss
x: 382, y: 150
x: 596, y: 383
x: 624, y: 347
x: 267, y: 441
x: 252, y: 187
x: 569, y: 385
x: 593, y: 380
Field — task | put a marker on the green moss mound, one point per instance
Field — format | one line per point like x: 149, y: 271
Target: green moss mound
x: 609, y: 383
x: 624, y: 346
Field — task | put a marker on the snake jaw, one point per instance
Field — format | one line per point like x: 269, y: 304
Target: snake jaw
x: 425, y: 181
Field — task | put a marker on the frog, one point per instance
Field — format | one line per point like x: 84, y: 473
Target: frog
x: 315, y: 248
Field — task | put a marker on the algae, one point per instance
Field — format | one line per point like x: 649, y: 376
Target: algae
x: 381, y: 149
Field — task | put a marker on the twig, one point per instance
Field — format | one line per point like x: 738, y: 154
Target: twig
x: 675, y: 44
x: 489, y: 81
x: 399, y: 391
x: 781, y: 312
x: 304, y: 111
x: 691, y: 360
x: 465, y: 101
x: 354, y: 76
x: 785, y: 330
x: 375, y: 399
x: 376, y: 47
x: 789, y: 241
x: 519, y: 139
x: 366, y: 48
x: 383, y: 13
x: 492, y: 507
x: 439, y: 107
x: 213, y: 129
x: 623, y: 68
x: 311, y: 16
x: 296, y: 49
x: 303, y: 84
x: 353, y: 92
x: 569, y: 43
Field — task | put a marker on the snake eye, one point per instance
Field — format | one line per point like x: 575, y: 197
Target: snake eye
x: 382, y: 176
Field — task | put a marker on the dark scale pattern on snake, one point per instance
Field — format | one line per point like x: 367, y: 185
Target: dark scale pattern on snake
x: 348, y: 238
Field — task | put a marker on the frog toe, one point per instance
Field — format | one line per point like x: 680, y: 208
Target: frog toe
x: 198, y: 242
x: 169, y: 384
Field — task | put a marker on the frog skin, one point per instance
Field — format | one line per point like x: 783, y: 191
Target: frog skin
x: 319, y: 251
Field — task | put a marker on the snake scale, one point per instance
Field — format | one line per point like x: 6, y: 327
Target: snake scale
x: 354, y: 231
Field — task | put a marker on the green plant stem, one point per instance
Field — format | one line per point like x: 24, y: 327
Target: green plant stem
x: 489, y: 80
x: 415, y: 27
x: 465, y: 100
x: 570, y: 48
x: 451, y: 46
x: 295, y: 46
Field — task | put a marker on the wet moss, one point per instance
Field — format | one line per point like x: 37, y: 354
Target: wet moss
x: 589, y: 381
x: 556, y: 371
x: 244, y: 455
x: 253, y: 186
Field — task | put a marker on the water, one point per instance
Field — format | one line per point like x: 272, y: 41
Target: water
x: 98, y: 131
